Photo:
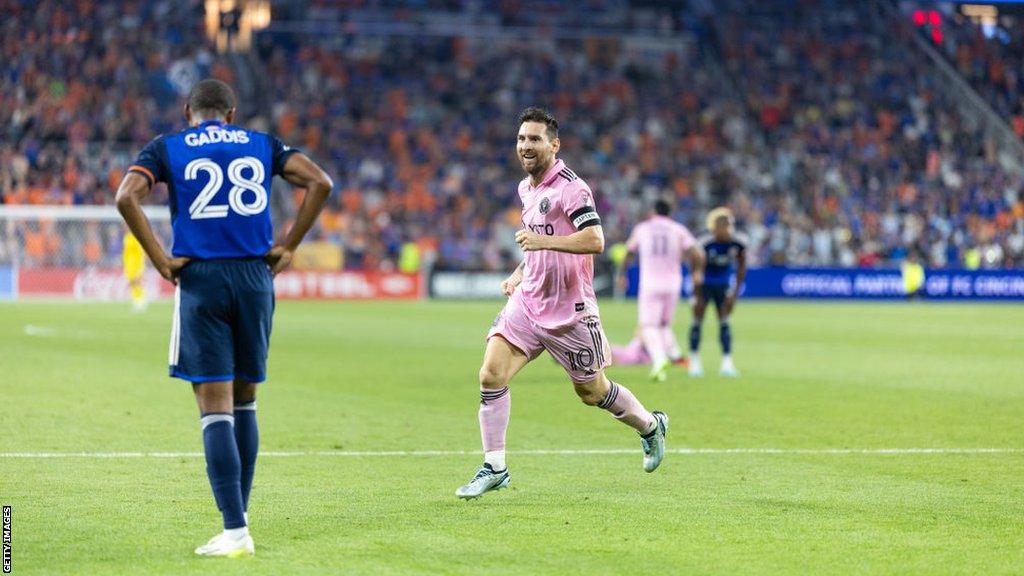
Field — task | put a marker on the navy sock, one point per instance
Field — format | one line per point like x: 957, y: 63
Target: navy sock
x: 247, y: 435
x: 725, y: 335
x: 223, y: 466
x: 694, y: 337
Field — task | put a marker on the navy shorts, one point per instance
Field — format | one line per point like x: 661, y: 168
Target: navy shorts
x: 715, y: 293
x: 222, y: 317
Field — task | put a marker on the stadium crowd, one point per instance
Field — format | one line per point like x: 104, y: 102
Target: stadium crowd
x: 834, y: 143
x: 864, y: 142
x: 991, y: 60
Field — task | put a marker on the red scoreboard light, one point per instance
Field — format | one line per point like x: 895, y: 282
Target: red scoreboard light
x: 930, y: 21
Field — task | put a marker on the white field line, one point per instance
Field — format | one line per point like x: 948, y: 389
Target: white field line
x: 582, y: 452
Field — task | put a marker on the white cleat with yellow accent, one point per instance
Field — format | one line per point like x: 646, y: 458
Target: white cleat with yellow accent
x: 228, y: 546
x: 659, y: 372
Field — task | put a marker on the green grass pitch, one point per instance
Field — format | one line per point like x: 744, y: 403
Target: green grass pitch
x: 377, y: 377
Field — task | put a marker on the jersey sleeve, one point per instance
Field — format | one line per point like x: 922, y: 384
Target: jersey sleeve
x: 279, y: 152
x: 150, y: 162
x: 579, y: 205
x: 686, y: 239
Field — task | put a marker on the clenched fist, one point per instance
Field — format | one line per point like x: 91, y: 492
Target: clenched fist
x: 530, y: 241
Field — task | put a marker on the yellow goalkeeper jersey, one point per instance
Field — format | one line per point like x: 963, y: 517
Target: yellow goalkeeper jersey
x: 133, y: 257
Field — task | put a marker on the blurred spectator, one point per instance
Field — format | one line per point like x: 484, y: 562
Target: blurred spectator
x: 825, y: 129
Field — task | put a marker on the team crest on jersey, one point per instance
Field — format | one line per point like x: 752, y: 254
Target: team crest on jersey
x: 545, y: 205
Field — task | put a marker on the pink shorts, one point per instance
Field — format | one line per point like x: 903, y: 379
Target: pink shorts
x: 580, y: 348
x: 657, y: 309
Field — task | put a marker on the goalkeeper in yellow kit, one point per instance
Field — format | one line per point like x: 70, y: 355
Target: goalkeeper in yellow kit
x: 133, y: 259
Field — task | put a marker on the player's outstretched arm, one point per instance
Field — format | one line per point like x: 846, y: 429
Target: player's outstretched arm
x: 302, y: 172
x: 590, y: 240
x: 133, y: 189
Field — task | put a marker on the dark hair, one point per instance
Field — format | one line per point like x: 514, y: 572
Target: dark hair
x: 536, y: 114
x: 211, y: 95
x: 662, y: 207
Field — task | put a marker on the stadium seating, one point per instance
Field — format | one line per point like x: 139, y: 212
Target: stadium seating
x: 854, y: 163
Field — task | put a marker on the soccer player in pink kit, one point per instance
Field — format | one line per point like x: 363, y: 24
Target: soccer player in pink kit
x: 662, y: 243
x: 552, y: 306
x: 632, y: 354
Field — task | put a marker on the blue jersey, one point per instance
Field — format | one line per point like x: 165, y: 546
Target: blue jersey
x: 218, y: 177
x: 720, y: 258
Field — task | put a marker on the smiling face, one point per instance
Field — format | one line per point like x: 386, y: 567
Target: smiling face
x: 535, y: 149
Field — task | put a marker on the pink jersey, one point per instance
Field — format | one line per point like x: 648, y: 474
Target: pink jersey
x: 558, y: 288
x: 661, y: 243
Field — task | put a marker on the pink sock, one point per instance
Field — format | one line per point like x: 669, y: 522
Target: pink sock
x: 655, y: 344
x: 671, y: 344
x: 495, y: 406
x: 627, y: 409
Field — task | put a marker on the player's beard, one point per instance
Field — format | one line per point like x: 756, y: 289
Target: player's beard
x: 539, y: 166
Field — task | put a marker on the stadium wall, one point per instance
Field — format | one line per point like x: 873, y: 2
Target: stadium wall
x: 8, y: 283
x: 871, y: 284
x: 799, y: 283
x: 109, y: 284
x: 448, y: 285
x: 349, y: 285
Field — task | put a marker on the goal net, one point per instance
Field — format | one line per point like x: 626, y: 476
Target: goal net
x: 71, y: 252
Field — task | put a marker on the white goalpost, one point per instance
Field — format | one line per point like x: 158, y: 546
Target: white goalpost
x: 71, y: 252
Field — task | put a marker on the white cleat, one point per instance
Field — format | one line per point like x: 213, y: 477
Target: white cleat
x: 228, y: 546
x: 659, y: 372
x: 728, y: 369
x: 694, y: 369
x: 654, y: 443
x: 486, y: 479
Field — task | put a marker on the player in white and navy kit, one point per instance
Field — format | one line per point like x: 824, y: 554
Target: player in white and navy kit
x: 218, y: 177
x: 723, y: 247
